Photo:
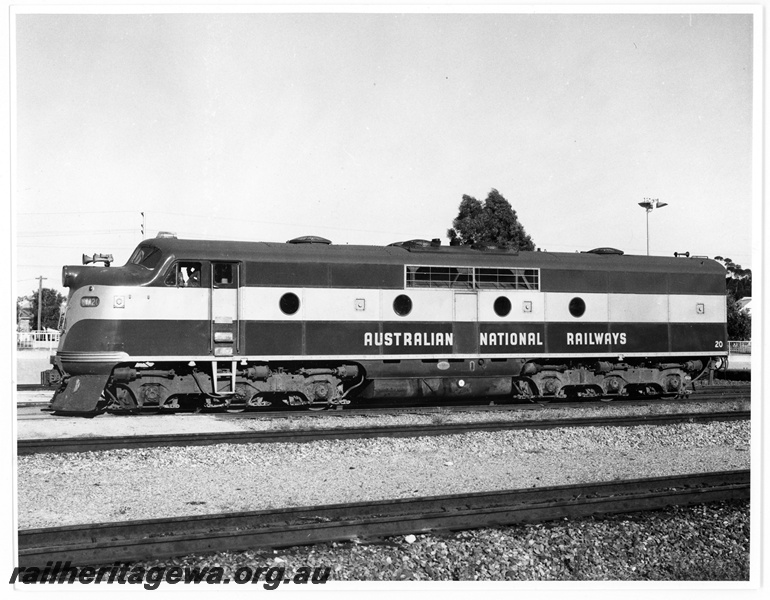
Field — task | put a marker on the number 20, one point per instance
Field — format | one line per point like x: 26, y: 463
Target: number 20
x: 719, y: 344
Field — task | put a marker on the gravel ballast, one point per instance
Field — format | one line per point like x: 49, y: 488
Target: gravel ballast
x: 698, y: 543
x: 61, y: 489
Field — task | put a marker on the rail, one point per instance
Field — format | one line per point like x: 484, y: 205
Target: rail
x: 94, y: 444
x: 105, y: 543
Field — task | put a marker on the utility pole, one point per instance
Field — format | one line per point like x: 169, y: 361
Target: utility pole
x: 40, y: 301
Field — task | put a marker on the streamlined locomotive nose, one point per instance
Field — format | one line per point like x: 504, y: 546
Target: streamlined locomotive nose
x: 69, y: 275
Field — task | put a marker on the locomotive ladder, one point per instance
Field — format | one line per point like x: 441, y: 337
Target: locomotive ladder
x: 216, y: 372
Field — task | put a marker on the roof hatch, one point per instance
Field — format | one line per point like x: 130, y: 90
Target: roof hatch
x: 309, y: 239
x: 604, y: 251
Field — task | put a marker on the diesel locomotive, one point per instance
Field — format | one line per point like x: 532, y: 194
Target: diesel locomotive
x: 238, y: 325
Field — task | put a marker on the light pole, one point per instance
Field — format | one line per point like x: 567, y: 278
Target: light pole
x: 649, y: 205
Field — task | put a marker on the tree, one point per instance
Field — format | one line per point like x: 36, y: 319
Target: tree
x: 51, y: 308
x: 738, y: 285
x: 738, y: 279
x: 492, y: 222
x: 738, y: 321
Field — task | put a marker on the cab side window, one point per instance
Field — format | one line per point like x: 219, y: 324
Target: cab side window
x: 225, y: 275
x: 185, y: 274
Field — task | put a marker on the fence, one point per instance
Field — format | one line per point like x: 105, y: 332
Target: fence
x: 37, y: 340
x: 740, y: 347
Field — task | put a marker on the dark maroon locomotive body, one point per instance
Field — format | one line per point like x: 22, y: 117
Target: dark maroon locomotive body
x: 251, y: 324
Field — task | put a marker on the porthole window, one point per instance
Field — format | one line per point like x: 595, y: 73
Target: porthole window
x: 402, y: 305
x: 577, y: 307
x: 289, y: 303
x: 502, y: 306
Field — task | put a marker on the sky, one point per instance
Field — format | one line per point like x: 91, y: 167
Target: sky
x: 369, y: 128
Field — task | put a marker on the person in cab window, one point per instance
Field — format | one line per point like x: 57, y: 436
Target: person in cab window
x: 194, y: 277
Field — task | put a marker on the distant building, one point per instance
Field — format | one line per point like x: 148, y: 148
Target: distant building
x: 25, y: 316
x: 744, y: 305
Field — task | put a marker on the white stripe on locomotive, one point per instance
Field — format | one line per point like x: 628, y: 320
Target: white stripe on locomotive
x: 428, y: 305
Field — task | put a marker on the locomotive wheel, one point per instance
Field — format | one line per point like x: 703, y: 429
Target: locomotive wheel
x: 124, y: 400
x: 525, y: 389
x: 262, y: 401
x: 152, y: 400
x: 188, y: 403
x: 295, y: 401
x: 239, y: 401
x: 171, y: 405
x: 318, y: 406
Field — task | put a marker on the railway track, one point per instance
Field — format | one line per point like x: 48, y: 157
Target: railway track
x: 34, y: 387
x: 105, y: 543
x: 90, y: 444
